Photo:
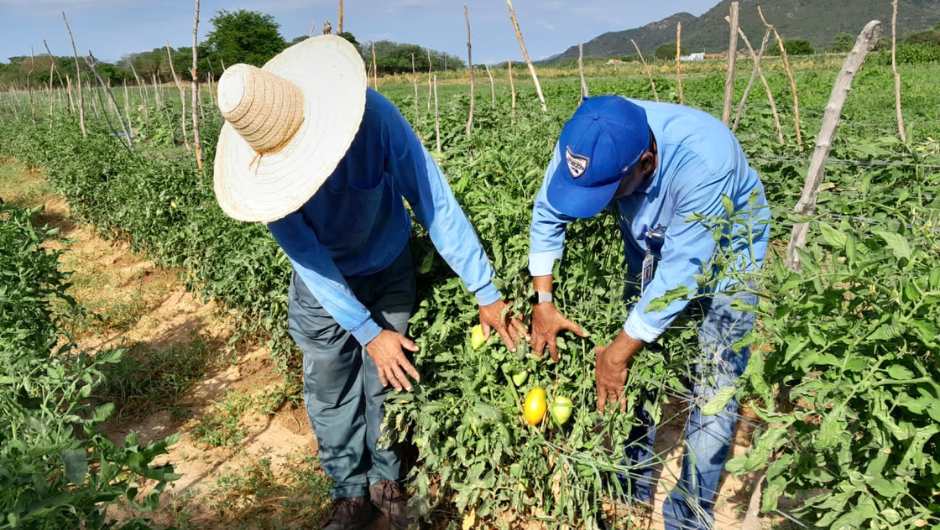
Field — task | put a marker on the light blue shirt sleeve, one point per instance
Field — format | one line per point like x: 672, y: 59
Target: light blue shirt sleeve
x: 547, y: 232
x: 322, y: 278
x: 421, y: 182
x: 687, y: 249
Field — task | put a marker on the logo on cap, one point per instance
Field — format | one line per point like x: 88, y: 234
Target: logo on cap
x: 577, y: 164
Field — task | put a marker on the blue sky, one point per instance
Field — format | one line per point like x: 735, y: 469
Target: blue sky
x: 112, y: 28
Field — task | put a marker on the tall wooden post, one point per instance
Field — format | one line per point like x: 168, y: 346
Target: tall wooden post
x: 732, y: 59
x: 525, y: 54
x: 679, y: 62
x: 430, y: 89
x: 466, y: 16
x: 512, y: 90
x: 341, y: 16
x: 584, y: 87
x: 646, y: 68
x: 902, y: 133
x: 78, y: 79
x: 830, y: 123
x: 437, y: 117
x: 91, y: 61
x: 375, y: 69
x: 196, y: 107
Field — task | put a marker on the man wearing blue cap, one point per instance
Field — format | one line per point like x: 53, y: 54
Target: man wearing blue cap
x: 661, y: 169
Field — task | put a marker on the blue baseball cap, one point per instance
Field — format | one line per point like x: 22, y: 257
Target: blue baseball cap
x: 599, y: 145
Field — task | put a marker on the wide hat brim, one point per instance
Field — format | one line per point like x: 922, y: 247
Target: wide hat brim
x: 332, y: 77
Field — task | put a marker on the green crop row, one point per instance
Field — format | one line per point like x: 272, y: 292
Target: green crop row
x: 57, y: 470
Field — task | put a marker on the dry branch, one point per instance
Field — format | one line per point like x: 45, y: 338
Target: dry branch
x: 512, y: 89
x: 754, y: 73
x: 466, y: 16
x: 179, y: 87
x: 375, y: 69
x: 525, y: 54
x: 91, y: 61
x: 830, y: 123
x: 732, y: 59
x: 790, y: 77
x: 196, y: 107
x: 679, y: 62
x: 902, y: 133
x: 341, y: 15
x: 492, y: 85
x: 760, y: 72
x: 78, y: 79
x: 646, y: 68
x: 584, y: 87
x: 437, y: 117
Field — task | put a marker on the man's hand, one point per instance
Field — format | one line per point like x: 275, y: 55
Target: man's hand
x: 611, y: 365
x: 547, y: 323
x: 496, y: 316
x: 386, y: 351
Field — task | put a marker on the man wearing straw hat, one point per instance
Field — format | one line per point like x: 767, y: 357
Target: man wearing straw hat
x: 670, y: 175
x: 326, y: 163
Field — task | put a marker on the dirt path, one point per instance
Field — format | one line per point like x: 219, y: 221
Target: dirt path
x: 245, y: 449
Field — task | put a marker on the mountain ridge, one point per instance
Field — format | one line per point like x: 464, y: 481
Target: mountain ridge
x: 817, y: 21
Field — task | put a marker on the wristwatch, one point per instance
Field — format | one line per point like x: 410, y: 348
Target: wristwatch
x: 540, y: 297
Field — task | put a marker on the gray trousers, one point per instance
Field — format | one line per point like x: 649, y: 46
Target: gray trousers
x: 342, y: 392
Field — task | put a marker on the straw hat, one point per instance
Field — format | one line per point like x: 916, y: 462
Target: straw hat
x: 287, y: 126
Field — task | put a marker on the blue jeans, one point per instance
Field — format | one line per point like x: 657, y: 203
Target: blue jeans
x: 707, y: 438
x: 342, y: 392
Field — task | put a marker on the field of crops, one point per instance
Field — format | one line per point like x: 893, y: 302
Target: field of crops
x: 843, y: 386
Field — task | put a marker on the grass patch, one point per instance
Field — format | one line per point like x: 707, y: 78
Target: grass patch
x: 149, y: 379
x: 254, y: 497
x: 221, y: 425
x: 20, y: 186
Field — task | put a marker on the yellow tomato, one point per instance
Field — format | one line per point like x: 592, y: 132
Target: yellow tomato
x: 535, y: 406
x: 477, y: 338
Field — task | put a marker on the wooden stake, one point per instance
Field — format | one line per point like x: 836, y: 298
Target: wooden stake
x: 525, y: 54
x: 414, y: 78
x: 68, y: 88
x: 194, y: 72
x: 830, y: 123
x: 732, y: 60
x: 512, y: 89
x: 78, y: 80
x: 375, y: 69
x: 430, y: 90
x: 492, y: 86
x: 646, y: 67
x: 757, y: 72
x: 584, y: 87
x: 786, y: 66
x: 902, y: 133
x: 94, y: 101
x: 29, y: 85
x: 437, y: 118
x: 341, y: 16
x: 179, y: 87
x: 141, y: 90
x: 466, y: 16
x: 127, y: 105
x: 679, y: 62
x: 91, y: 61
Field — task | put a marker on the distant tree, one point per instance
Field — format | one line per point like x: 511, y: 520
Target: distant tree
x: 395, y: 57
x: 842, y: 42
x: 794, y: 47
x: 243, y: 37
x: 666, y: 51
x: 350, y: 37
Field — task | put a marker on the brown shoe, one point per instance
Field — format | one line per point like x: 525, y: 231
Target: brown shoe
x: 389, y: 497
x: 350, y: 513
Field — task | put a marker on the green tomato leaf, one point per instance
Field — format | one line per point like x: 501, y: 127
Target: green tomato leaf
x: 717, y: 403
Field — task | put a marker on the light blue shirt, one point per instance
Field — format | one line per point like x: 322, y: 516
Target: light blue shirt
x: 356, y: 224
x: 700, y: 162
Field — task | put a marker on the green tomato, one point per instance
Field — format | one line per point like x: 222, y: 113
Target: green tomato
x: 561, y: 410
x: 519, y: 378
x: 477, y: 338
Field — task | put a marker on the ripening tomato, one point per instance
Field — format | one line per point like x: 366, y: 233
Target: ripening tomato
x: 535, y: 406
x: 519, y: 378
